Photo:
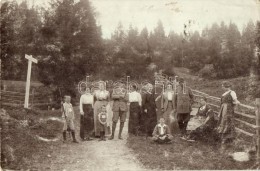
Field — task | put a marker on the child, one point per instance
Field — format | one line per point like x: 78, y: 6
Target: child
x: 68, y: 116
x: 102, y: 117
x: 206, y: 129
x: 161, y: 133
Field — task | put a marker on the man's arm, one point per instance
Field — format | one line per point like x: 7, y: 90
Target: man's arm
x: 139, y: 99
x: 155, y: 133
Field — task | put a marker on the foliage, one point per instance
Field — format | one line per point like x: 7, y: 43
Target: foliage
x: 65, y: 39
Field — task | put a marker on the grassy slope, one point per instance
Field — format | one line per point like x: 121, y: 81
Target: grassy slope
x: 184, y: 155
x: 213, y: 87
x: 27, y: 148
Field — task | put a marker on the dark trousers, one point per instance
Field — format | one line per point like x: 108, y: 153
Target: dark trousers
x: 183, y: 119
x: 134, y: 118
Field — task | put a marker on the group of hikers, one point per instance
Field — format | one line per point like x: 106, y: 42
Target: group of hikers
x: 158, y: 116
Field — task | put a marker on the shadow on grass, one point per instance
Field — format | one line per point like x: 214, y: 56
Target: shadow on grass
x: 182, y: 155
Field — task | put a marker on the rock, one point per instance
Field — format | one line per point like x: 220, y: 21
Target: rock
x: 240, y: 156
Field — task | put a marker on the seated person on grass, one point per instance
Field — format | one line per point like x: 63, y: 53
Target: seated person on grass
x: 206, y: 130
x: 161, y: 133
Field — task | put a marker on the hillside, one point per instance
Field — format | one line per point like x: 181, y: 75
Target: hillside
x: 213, y: 87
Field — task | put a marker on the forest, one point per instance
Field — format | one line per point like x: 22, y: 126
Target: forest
x: 68, y: 43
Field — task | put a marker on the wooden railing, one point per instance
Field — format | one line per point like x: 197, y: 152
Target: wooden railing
x: 247, y: 117
x: 16, y: 99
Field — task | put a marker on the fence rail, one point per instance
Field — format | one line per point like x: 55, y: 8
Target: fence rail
x: 255, y: 116
x: 16, y: 99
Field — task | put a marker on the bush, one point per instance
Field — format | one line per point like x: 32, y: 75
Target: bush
x: 208, y: 72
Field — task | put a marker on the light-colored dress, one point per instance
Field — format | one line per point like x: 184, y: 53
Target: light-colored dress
x: 102, y: 98
x: 168, y: 106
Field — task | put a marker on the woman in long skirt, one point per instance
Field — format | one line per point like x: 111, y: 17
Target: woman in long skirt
x: 149, y: 107
x: 102, y: 97
x: 86, y: 117
x: 226, y: 127
x: 167, y: 105
x: 135, y: 100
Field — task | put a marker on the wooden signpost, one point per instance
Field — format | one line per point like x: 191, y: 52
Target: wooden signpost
x: 27, y: 92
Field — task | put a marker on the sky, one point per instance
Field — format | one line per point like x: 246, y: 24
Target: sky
x: 173, y: 13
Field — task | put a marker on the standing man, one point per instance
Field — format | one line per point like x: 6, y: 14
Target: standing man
x: 135, y: 100
x: 183, y: 102
x: 119, y: 109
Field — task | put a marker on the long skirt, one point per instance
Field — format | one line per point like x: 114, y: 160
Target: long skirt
x: 109, y: 118
x: 150, y: 119
x: 86, y: 121
x: 134, y: 118
x: 97, y: 109
x: 226, y: 127
x: 171, y: 119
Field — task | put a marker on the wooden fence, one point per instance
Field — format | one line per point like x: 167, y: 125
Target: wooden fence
x: 247, y: 118
x: 16, y: 99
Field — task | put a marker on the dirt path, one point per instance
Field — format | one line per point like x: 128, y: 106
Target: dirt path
x: 94, y: 155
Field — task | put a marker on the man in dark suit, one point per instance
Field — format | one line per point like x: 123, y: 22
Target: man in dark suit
x: 119, y: 109
x: 183, y: 101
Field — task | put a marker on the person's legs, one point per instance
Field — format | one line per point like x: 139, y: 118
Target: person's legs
x: 122, y: 121
x: 114, y: 119
x: 180, y: 123
x: 64, y: 131
x: 82, y: 131
x: 155, y: 139
x: 186, y: 119
x: 72, y: 128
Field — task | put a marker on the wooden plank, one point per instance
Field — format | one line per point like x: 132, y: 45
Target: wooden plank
x: 257, y: 102
x: 247, y: 106
x: 217, y: 106
x: 244, y: 132
x: 246, y: 123
x: 245, y: 115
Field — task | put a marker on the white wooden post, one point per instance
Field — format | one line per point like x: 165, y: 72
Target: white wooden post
x: 27, y: 90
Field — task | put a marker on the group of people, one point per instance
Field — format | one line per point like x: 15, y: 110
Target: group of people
x: 158, y: 117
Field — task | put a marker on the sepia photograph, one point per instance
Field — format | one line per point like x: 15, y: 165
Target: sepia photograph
x: 129, y: 85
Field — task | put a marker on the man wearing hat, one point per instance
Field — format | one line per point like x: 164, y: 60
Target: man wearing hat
x: 183, y: 101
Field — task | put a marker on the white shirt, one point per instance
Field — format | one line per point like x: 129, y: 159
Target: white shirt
x: 102, y: 95
x: 85, y: 99
x: 169, y: 95
x: 135, y: 97
x: 161, y: 128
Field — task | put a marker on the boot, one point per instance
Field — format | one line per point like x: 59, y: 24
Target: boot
x: 103, y: 137
x: 120, y: 130
x: 73, y: 136
x: 113, y: 131
x: 64, y: 136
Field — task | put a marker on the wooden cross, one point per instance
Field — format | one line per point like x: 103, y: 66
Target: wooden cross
x: 27, y: 92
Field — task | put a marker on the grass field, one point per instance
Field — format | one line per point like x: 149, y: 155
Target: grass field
x: 183, y: 155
